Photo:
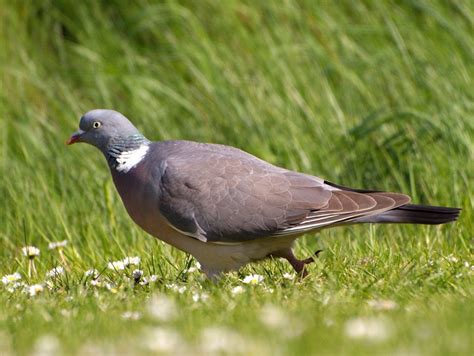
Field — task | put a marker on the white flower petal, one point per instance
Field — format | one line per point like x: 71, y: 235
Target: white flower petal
x: 116, y: 265
x: 57, y: 244
x: 11, y: 278
x: 34, y: 289
x: 131, y: 261
x: 367, y: 328
x: 55, y: 272
x: 30, y: 251
x: 237, y: 290
x: 253, y: 279
x: 162, y: 307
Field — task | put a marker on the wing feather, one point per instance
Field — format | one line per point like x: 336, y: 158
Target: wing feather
x: 221, y: 194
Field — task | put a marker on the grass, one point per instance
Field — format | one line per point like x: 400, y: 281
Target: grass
x: 374, y: 94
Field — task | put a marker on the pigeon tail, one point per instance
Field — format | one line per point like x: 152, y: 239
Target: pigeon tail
x: 414, y: 214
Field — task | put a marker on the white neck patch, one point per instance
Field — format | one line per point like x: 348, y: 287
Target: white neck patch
x: 129, y: 159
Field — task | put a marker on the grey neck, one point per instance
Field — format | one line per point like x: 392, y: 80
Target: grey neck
x: 119, y: 145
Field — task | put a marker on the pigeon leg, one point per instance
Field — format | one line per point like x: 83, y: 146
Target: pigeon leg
x: 311, y: 259
x: 298, y: 265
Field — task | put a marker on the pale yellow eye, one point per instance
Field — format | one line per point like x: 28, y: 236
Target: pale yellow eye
x: 96, y: 124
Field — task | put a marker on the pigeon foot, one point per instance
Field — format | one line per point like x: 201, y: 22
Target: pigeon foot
x: 298, y: 265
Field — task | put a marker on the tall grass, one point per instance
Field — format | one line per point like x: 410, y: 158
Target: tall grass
x: 372, y: 94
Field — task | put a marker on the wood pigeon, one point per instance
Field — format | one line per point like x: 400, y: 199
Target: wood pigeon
x: 227, y: 207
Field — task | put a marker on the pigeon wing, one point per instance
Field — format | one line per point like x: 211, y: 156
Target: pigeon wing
x: 227, y: 195
x: 221, y: 194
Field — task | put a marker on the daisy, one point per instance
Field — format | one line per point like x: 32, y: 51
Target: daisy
x: 34, y: 289
x: 93, y: 273
x: 191, y: 269
x: 161, y: 340
x: 253, y: 279
x: 452, y: 259
x: 31, y: 252
x: 116, y: 265
x: 12, y: 287
x: 237, y: 290
x: 367, y: 328
x: 174, y: 287
x: 217, y: 340
x: 144, y: 281
x: 95, y: 283
x: 57, y: 244
x: 131, y: 315
x: 55, y: 272
x: 11, y: 278
x: 162, y: 307
x: 200, y: 297
x: 131, y: 261
x: 111, y: 287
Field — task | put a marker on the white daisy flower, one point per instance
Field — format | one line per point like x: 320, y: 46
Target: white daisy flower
x: 14, y: 286
x: 144, y: 281
x: 34, y: 289
x: 367, y: 328
x: 93, y: 273
x: 289, y: 276
x: 131, y: 261
x: 153, y: 278
x: 253, y: 279
x: 11, y: 278
x: 237, y: 290
x: 269, y: 290
x: 49, y: 284
x: 176, y: 288
x: 57, y: 244
x: 160, y: 340
x: 55, y: 272
x: 116, y: 265
x: 162, y: 307
x: 216, y: 340
x: 131, y: 315
x: 30, y: 251
x: 95, y: 283
x: 200, y: 297
x: 110, y: 287
x: 452, y: 259
x: 273, y: 316
x: 277, y: 318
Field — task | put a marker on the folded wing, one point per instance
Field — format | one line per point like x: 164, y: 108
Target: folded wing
x: 228, y: 196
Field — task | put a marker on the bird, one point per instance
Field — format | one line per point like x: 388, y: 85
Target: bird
x: 226, y: 207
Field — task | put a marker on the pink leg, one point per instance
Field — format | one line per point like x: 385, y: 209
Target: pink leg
x: 298, y: 265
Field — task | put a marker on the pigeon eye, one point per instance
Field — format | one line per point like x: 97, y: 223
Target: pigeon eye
x: 96, y: 124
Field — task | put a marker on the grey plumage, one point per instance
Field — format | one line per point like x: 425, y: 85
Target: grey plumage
x: 227, y: 207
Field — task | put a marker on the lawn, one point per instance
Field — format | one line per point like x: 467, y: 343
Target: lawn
x: 369, y: 94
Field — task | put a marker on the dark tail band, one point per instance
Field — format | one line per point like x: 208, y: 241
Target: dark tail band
x: 414, y: 214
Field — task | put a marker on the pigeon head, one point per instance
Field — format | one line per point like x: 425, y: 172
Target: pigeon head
x: 102, y: 127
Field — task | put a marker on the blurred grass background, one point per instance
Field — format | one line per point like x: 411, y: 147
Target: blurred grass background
x: 370, y: 94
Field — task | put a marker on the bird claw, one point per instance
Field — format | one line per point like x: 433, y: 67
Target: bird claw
x: 298, y: 265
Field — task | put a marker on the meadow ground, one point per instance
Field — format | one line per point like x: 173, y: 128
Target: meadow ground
x: 373, y: 94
